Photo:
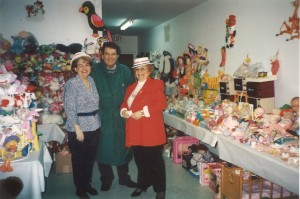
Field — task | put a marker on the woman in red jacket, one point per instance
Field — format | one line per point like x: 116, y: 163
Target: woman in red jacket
x: 142, y: 107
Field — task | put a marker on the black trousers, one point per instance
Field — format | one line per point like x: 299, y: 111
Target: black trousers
x: 151, y: 167
x: 107, y: 174
x: 83, y: 157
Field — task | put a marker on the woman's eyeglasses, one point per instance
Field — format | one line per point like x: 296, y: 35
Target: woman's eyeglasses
x: 140, y: 69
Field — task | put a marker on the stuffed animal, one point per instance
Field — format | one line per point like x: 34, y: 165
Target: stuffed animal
x: 223, y: 56
x: 48, y: 118
x: 292, y: 26
x: 70, y: 49
x: 166, y: 66
x: 4, y: 45
x: 94, y: 20
x: 30, y: 42
x: 230, y: 31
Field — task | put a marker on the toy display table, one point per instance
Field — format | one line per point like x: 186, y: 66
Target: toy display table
x: 32, y: 170
x: 241, y: 155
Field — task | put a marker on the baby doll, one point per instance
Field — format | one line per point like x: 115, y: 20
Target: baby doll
x: 295, y: 108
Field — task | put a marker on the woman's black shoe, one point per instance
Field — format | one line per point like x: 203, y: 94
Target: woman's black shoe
x: 129, y: 184
x: 160, y: 195
x: 92, y: 191
x: 82, y: 194
x: 105, y: 187
x: 137, y: 192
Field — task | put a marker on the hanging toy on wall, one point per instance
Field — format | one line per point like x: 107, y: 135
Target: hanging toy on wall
x: 35, y: 11
x: 230, y: 31
x: 292, y: 27
x: 94, y: 20
x: 275, y: 64
x: 223, y: 56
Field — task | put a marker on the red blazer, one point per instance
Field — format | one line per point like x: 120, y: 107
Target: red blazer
x: 147, y: 131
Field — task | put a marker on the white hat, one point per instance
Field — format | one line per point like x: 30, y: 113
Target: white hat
x: 141, y: 61
x: 78, y: 55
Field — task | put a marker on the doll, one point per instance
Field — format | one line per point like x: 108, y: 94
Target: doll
x: 295, y: 108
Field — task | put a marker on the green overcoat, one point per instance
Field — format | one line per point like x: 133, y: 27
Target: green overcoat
x: 111, y: 86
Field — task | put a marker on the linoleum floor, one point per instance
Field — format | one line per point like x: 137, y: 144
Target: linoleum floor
x: 180, y: 185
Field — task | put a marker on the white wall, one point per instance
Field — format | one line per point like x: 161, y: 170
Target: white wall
x: 63, y: 23
x: 257, y: 23
x: 128, y: 44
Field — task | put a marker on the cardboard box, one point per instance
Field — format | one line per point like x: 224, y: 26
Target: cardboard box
x: 63, y: 163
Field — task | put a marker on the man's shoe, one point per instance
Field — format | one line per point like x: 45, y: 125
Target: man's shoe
x: 160, y: 195
x: 105, y: 187
x: 92, y: 191
x: 82, y: 194
x: 129, y: 184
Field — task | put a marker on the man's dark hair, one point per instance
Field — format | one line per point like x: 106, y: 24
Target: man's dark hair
x: 111, y: 45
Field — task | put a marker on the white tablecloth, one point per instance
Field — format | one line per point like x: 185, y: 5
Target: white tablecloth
x: 32, y: 170
x: 200, y: 133
x: 51, y: 132
x: 260, y: 163
x: 242, y: 155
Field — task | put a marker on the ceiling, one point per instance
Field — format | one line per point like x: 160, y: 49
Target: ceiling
x: 146, y: 13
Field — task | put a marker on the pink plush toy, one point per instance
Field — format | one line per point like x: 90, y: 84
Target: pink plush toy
x: 55, y: 107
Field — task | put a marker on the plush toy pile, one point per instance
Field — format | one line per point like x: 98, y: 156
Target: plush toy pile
x: 18, y: 118
x: 44, y: 69
x: 31, y: 80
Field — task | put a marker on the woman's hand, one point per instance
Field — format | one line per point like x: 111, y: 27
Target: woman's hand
x: 79, y: 133
x: 137, y: 115
x: 125, y: 114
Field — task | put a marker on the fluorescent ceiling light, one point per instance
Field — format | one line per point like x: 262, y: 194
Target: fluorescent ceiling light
x: 128, y: 23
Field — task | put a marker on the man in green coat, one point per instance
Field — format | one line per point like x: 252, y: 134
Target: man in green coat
x: 112, y: 79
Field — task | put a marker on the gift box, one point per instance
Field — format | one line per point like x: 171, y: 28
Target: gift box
x: 180, y: 147
x: 63, y: 163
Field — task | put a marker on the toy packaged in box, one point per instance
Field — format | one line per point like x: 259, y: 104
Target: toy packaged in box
x: 204, y: 173
x: 180, y: 147
x: 215, y: 176
x: 186, y: 161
